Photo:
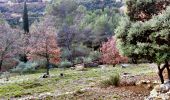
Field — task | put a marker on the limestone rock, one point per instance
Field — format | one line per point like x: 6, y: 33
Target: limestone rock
x: 72, y: 68
x: 142, y: 82
x: 79, y: 67
x: 160, y: 92
x: 103, y: 67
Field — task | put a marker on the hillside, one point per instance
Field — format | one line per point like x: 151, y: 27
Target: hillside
x: 85, y: 50
x: 13, y: 12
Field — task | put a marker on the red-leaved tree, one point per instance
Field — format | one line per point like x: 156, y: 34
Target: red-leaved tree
x: 43, y: 43
x: 110, y: 54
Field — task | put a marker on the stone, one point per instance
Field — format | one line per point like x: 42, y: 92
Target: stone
x: 168, y: 93
x: 61, y: 75
x: 72, y: 68
x: 92, y: 84
x: 154, y: 93
x: 103, y: 66
x: 45, y: 76
x: 165, y: 87
x: 160, y: 92
x: 79, y: 67
x: 157, y: 88
x: 164, y: 97
x: 126, y: 73
x: 127, y: 80
x: 125, y: 65
x: 149, y: 86
x: 92, y: 64
x: 44, y: 95
x: 156, y: 82
x: 143, y: 82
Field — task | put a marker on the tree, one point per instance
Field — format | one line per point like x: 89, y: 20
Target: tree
x: 43, y: 43
x: 8, y: 43
x: 77, y: 26
x: 110, y: 54
x: 146, y: 39
x: 25, y: 19
x: 67, y: 19
x: 143, y: 10
x: 25, y: 36
x: 100, y: 4
x: 100, y: 25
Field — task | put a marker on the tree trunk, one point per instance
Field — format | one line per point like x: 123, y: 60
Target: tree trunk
x: 47, y: 67
x: 1, y: 61
x: 70, y: 55
x: 134, y: 61
x: 161, y: 76
x: 47, y: 64
x: 114, y: 65
x: 160, y: 73
x: 168, y: 70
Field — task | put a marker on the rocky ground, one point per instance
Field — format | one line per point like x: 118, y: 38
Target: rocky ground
x: 136, y: 83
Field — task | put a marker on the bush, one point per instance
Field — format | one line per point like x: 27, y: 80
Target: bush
x: 92, y: 64
x: 113, y: 80
x: 95, y: 55
x: 90, y: 61
x: 5, y: 75
x: 80, y: 51
x: 22, y: 67
x: 65, y: 54
x: 65, y: 64
x: 87, y: 60
x: 42, y: 64
x: 77, y: 51
x: 110, y: 53
x: 78, y: 60
x: 9, y: 64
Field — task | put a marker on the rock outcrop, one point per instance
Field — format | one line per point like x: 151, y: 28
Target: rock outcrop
x: 160, y: 92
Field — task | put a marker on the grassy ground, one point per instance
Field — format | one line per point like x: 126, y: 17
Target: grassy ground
x: 32, y: 84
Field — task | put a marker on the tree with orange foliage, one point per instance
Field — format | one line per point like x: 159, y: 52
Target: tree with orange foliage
x: 110, y: 54
x: 43, y: 43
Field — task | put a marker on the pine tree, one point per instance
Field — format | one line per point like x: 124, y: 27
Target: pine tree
x: 25, y: 19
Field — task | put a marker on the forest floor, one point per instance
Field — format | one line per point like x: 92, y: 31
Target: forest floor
x: 77, y: 85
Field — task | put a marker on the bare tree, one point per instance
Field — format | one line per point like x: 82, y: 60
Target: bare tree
x: 8, y: 43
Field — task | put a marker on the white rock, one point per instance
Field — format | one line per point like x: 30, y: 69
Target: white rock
x: 160, y: 92
x: 79, y: 67
x: 103, y: 67
x: 153, y: 93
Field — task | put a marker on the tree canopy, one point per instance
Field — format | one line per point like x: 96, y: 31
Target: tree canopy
x: 146, y: 39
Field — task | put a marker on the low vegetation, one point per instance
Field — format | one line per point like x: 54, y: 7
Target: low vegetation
x: 112, y: 81
x: 72, y: 80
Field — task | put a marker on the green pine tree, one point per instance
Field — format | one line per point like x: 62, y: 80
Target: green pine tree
x: 25, y: 19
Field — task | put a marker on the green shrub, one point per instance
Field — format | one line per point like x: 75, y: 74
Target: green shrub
x: 6, y: 75
x: 95, y: 55
x: 80, y: 51
x: 87, y: 60
x: 78, y: 60
x: 65, y: 54
x: 65, y: 64
x: 28, y: 67
x: 113, y: 80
